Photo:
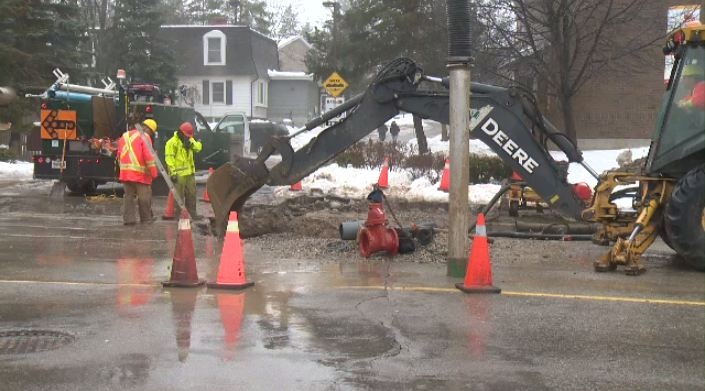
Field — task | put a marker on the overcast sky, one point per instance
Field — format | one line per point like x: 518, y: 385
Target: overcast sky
x: 311, y: 11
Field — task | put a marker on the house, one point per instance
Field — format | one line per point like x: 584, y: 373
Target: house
x: 293, y: 93
x: 292, y: 54
x: 222, y: 69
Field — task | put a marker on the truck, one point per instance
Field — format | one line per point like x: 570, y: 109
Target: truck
x: 668, y: 195
x: 80, y: 126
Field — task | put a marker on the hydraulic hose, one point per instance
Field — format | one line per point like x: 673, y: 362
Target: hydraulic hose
x: 459, y: 31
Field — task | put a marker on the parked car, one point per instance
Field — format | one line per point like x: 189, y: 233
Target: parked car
x: 261, y: 130
x: 237, y: 126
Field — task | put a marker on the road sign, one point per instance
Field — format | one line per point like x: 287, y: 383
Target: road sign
x: 335, y: 84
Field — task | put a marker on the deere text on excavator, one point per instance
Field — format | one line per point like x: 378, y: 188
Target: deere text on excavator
x: 668, y: 195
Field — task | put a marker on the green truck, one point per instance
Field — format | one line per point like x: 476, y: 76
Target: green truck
x: 80, y: 126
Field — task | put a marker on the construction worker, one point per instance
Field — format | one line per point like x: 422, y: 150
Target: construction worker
x: 178, y: 155
x: 692, y: 87
x: 137, y: 170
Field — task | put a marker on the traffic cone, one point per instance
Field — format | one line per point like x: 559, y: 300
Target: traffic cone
x: 445, y: 178
x: 183, y: 269
x: 207, y: 198
x: 296, y: 187
x: 478, y: 277
x: 383, y: 181
x: 169, y: 212
x: 231, y: 272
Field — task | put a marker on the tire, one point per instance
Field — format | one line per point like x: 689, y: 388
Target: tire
x: 684, y: 218
x: 82, y: 187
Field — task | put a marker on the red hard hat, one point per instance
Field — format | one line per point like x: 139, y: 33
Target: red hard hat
x: 583, y: 191
x: 187, y: 129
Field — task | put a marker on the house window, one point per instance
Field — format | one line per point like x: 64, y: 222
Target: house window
x: 218, y: 89
x: 214, y: 43
x: 262, y: 93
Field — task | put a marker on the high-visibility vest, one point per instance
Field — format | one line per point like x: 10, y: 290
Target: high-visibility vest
x: 179, y: 160
x: 136, y: 161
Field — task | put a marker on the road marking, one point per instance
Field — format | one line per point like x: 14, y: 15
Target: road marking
x: 623, y: 299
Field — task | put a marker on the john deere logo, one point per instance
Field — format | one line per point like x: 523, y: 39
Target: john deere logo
x: 335, y: 84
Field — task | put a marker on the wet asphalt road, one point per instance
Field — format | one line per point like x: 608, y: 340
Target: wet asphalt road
x: 70, y: 266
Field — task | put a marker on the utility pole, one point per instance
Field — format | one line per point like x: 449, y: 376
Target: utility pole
x: 459, y: 57
x: 334, y: 51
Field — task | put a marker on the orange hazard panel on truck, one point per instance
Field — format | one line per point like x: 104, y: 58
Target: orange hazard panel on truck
x: 59, y: 124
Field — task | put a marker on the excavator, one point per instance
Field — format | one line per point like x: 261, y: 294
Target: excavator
x: 668, y: 195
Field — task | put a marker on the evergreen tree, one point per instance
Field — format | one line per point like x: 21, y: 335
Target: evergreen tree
x: 136, y: 44
x: 38, y: 36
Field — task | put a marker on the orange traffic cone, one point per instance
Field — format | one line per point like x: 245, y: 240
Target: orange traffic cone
x: 478, y: 277
x: 445, y: 178
x: 206, y: 197
x: 383, y: 181
x: 296, y: 187
x: 183, y: 269
x: 169, y: 212
x: 231, y: 273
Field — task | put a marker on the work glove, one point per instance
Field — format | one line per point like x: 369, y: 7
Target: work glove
x: 185, y: 140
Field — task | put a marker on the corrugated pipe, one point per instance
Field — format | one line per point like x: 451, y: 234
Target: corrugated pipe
x: 459, y: 28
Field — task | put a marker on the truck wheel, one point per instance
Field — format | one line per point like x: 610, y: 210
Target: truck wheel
x: 74, y: 187
x: 685, y: 218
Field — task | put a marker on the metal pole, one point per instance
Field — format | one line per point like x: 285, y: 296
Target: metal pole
x: 458, y: 206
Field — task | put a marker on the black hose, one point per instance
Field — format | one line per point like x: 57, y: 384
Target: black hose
x: 459, y: 31
x: 529, y: 235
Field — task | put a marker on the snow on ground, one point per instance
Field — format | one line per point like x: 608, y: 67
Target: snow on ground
x: 352, y: 182
x: 16, y: 171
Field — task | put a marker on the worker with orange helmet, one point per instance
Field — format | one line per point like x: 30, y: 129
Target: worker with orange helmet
x: 179, y: 156
x: 693, y: 84
x: 137, y: 170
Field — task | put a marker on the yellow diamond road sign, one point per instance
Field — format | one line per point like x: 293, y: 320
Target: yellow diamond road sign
x: 335, y: 84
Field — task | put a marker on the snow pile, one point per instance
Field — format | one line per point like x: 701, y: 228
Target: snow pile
x: 16, y: 171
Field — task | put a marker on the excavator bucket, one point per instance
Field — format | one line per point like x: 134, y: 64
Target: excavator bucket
x: 231, y: 185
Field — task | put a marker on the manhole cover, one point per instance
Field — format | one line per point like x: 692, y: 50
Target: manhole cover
x: 31, y: 341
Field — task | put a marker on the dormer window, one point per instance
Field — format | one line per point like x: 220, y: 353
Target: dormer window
x: 214, y: 48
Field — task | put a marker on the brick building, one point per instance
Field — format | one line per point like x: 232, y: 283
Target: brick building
x: 619, y: 109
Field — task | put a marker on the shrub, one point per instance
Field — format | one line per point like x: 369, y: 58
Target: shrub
x: 371, y: 154
x: 6, y: 155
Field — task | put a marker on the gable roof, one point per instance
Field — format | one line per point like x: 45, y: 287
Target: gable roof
x: 288, y: 41
x: 247, y: 52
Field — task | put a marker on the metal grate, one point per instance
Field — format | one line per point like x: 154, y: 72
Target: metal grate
x: 32, y: 341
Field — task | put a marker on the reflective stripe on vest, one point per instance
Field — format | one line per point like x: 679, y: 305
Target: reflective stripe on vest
x: 134, y: 164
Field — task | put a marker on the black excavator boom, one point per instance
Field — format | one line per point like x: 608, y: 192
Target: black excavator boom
x: 504, y: 119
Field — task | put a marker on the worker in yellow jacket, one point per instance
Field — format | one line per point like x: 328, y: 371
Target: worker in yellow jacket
x: 178, y: 155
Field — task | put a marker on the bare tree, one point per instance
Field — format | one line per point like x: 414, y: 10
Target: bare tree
x: 554, y: 47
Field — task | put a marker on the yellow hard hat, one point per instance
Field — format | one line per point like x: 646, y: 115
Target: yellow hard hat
x: 151, y: 124
x: 693, y: 70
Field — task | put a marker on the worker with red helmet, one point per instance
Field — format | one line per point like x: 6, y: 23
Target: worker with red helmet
x: 693, y: 84
x: 137, y: 169
x: 179, y: 156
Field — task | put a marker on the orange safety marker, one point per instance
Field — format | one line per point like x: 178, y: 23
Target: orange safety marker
x: 183, y: 267
x: 478, y: 277
x: 445, y: 178
x: 206, y: 197
x: 231, y: 272
x: 169, y: 213
x: 383, y: 181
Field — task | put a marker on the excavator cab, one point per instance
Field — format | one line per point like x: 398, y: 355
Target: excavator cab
x: 679, y: 138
